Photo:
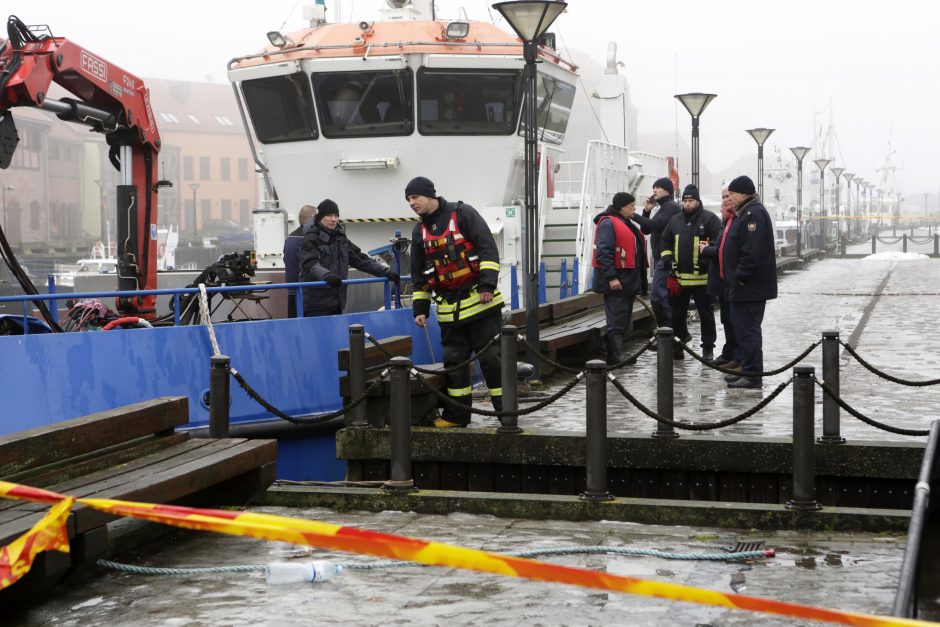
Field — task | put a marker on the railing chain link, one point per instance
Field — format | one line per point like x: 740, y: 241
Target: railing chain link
x: 768, y: 373
x: 885, y: 375
x: 869, y: 421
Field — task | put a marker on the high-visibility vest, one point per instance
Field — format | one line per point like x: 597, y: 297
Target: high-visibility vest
x: 624, y: 245
x: 449, y: 259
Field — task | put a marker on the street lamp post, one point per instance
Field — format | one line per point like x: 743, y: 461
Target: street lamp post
x: 848, y: 176
x: 194, y: 187
x: 859, y: 190
x: 837, y: 173
x: 530, y: 19
x: 821, y: 164
x: 760, y: 135
x: 871, y: 188
x: 799, y: 152
x: 695, y: 104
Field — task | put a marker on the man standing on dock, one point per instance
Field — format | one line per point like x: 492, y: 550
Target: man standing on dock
x: 663, y: 197
x: 455, y: 261
x: 292, y: 256
x: 747, y: 261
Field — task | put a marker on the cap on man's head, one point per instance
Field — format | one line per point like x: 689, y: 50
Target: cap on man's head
x: 742, y: 185
x: 420, y: 186
x: 665, y: 184
x: 327, y: 208
x: 622, y: 199
x: 691, y: 191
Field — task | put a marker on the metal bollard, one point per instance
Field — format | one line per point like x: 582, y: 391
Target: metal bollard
x: 219, y: 397
x: 595, y: 455
x: 904, y: 243
x: 804, y: 451
x: 401, y: 479
x: 842, y: 246
x: 830, y: 366
x: 936, y: 243
x: 509, y: 371
x: 356, y: 417
x: 874, y: 242
x: 664, y: 407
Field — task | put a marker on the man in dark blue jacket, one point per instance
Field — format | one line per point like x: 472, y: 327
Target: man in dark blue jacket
x: 748, y: 265
x: 619, y: 263
x: 292, y: 256
x: 654, y: 226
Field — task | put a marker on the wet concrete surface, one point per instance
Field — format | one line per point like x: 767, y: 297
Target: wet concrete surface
x: 831, y: 294
x: 855, y: 572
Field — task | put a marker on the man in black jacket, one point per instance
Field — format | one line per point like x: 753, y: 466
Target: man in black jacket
x: 326, y: 255
x: 455, y: 262
x: 748, y: 265
x: 653, y: 226
x: 619, y: 263
x: 292, y: 256
x: 680, y: 256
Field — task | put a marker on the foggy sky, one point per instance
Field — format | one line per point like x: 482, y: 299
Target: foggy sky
x: 793, y: 66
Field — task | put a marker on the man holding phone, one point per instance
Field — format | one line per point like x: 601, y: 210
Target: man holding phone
x: 654, y: 226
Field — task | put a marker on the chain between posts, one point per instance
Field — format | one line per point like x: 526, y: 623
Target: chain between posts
x: 768, y: 373
x: 885, y: 375
x: 696, y: 427
x: 500, y: 414
x: 312, y: 419
x: 869, y: 421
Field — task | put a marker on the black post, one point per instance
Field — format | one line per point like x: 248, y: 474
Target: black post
x: 799, y: 207
x: 695, y: 150
x: 664, y: 349
x: 509, y: 351
x: 531, y: 224
x: 936, y: 243
x: 842, y: 245
x: 219, y: 372
x: 904, y: 242
x: 830, y: 365
x: 356, y: 417
x: 400, y: 435
x: 804, y: 453
x: 874, y: 241
x: 595, y: 456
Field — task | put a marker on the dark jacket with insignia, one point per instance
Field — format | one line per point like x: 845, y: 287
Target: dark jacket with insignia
x: 750, y: 258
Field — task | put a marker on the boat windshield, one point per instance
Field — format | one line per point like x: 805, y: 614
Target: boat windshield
x: 555, y: 99
x: 468, y: 102
x: 281, y: 108
x: 359, y: 104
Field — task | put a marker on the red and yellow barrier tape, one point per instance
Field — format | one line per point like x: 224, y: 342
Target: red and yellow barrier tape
x: 327, y: 536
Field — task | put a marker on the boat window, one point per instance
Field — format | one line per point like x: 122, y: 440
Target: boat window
x: 281, y: 108
x: 365, y: 104
x: 555, y: 99
x: 468, y: 102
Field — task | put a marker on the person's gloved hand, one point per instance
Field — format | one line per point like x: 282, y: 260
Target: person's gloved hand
x: 332, y: 280
x: 394, y: 277
x: 673, y: 286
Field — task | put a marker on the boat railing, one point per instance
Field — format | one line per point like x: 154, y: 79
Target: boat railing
x: 916, y: 557
x: 52, y: 296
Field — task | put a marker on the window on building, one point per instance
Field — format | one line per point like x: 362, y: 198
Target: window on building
x: 204, y: 173
x: 225, y: 168
x: 193, y: 118
x: 223, y: 120
x: 468, y: 102
x: 242, y: 169
x: 205, y: 211
x: 244, y: 212
x: 365, y: 104
x: 280, y: 108
x: 34, y: 215
x: 188, y: 172
x: 226, y: 209
x: 554, y: 99
x: 169, y: 117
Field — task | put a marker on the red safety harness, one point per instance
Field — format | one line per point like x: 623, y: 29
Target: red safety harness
x: 449, y: 259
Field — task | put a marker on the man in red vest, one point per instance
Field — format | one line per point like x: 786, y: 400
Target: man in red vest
x: 619, y: 262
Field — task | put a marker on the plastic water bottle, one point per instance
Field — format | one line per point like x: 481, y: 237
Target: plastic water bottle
x: 277, y: 573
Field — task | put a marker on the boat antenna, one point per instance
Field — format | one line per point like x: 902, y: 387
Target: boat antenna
x: 287, y: 17
x: 490, y: 11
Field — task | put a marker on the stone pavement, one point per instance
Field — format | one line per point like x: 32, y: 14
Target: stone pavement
x: 855, y: 572
x: 831, y: 294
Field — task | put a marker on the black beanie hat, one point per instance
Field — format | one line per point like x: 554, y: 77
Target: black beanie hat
x: 420, y: 186
x: 742, y: 185
x: 327, y: 208
x: 691, y: 191
x: 622, y: 199
x: 666, y: 184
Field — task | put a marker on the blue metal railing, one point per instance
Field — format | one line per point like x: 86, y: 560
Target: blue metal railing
x: 52, y: 296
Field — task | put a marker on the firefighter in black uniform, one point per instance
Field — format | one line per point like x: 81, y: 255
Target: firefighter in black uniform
x: 680, y: 256
x: 747, y: 260
x: 455, y: 262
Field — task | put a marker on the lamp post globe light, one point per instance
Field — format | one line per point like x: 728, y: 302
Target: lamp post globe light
x: 821, y: 164
x: 760, y: 135
x: 837, y: 173
x: 530, y: 19
x: 695, y: 104
x: 799, y: 152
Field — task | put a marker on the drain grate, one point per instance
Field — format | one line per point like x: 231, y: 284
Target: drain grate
x: 742, y: 547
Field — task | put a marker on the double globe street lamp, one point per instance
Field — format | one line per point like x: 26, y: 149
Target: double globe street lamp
x: 799, y: 152
x: 695, y: 104
x: 760, y: 135
x: 530, y: 20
